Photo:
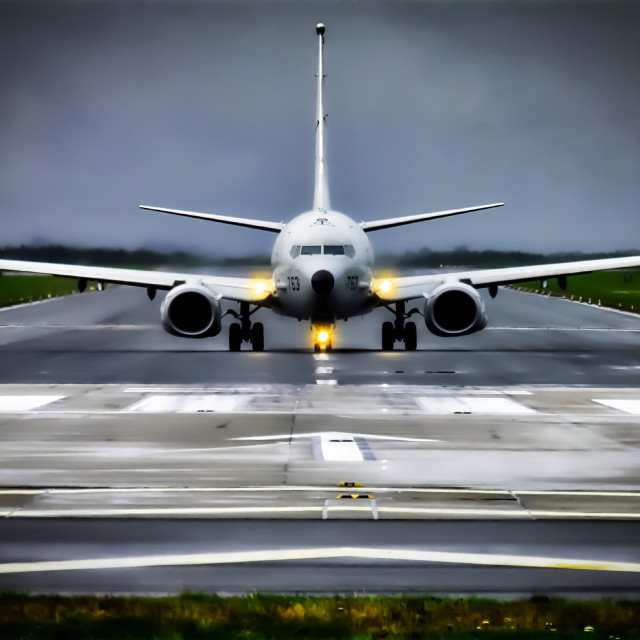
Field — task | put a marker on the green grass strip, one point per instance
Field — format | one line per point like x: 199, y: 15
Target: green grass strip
x: 336, y: 617
x: 18, y: 289
x: 615, y: 289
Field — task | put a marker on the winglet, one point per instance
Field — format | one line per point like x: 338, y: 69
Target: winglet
x: 321, y: 184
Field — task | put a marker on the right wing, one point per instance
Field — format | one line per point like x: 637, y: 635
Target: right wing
x: 408, y: 287
x: 264, y: 225
x: 239, y: 289
x: 375, y: 225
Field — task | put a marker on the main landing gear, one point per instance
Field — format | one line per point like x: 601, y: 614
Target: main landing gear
x: 245, y: 330
x: 399, y: 330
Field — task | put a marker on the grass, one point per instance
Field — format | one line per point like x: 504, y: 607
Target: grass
x: 616, y: 289
x: 17, y: 289
x: 261, y: 617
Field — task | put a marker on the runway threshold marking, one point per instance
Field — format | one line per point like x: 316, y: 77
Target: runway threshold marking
x: 320, y: 553
x: 472, y: 404
x: 26, y: 402
x: 625, y: 405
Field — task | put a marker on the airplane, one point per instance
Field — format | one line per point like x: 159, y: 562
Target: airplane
x: 322, y: 264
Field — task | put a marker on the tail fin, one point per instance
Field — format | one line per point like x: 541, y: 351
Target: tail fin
x: 321, y: 185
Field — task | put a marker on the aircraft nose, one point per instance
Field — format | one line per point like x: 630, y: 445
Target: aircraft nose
x: 322, y: 282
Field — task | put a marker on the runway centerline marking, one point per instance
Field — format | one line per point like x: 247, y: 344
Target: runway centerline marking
x: 320, y: 553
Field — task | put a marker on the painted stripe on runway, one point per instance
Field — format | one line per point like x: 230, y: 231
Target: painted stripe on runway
x: 294, y: 488
x: 157, y: 511
x: 218, y: 403
x: 625, y: 405
x: 471, y: 404
x: 320, y: 553
x: 26, y: 403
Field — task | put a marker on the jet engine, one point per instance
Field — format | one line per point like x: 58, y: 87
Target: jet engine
x: 454, y: 310
x: 191, y: 311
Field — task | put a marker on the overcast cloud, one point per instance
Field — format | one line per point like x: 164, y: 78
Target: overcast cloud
x: 210, y: 107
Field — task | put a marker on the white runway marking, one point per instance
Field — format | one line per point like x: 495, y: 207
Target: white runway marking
x: 474, y: 404
x: 294, y: 488
x: 340, y: 447
x: 188, y: 403
x: 627, y: 405
x: 26, y: 403
x: 318, y: 553
x: 327, y: 382
x: 324, y: 371
x: 160, y: 511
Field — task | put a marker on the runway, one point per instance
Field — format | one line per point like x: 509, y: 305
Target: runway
x: 514, y: 451
x: 229, y: 557
x: 115, y: 337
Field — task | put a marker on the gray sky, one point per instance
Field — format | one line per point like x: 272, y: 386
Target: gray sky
x: 210, y: 106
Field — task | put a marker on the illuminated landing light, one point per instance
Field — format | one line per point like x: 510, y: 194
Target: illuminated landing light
x: 260, y: 287
x: 385, y: 286
x: 323, y: 337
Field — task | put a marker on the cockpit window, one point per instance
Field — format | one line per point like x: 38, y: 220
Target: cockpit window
x: 349, y: 250
x: 333, y: 250
x: 295, y: 251
x: 311, y: 250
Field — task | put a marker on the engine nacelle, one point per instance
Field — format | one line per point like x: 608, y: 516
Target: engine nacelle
x: 454, y: 310
x: 191, y: 311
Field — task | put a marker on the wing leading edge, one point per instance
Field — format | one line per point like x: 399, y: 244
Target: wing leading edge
x: 406, y: 288
x: 264, y: 225
x: 239, y: 289
x: 376, y: 225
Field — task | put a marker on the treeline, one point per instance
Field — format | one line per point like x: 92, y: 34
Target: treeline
x: 489, y: 258
x: 423, y: 258
x: 105, y: 257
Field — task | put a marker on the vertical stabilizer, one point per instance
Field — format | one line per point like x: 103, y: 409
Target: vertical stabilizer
x: 321, y: 185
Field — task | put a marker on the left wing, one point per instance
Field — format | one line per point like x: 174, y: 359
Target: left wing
x: 240, y: 289
x: 405, y: 288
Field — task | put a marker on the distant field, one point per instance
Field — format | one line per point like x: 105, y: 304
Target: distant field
x: 616, y: 289
x: 17, y: 289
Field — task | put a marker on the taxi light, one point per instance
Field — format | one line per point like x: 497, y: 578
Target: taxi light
x: 260, y: 287
x: 385, y: 286
x: 323, y: 337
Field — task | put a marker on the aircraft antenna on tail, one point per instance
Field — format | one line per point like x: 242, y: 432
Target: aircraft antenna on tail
x: 321, y: 185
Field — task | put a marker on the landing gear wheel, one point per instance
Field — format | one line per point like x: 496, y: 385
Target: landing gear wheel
x: 316, y: 348
x: 388, y: 337
x: 235, y: 337
x: 410, y: 336
x: 257, y: 336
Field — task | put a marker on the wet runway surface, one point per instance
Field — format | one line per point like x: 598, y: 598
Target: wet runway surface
x: 115, y: 337
x: 503, y: 462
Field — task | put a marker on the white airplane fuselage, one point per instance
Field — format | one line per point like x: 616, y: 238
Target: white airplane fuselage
x: 322, y: 268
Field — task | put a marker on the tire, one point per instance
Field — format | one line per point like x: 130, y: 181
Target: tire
x: 388, y: 337
x: 235, y: 337
x: 410, y: 336
x: 257, y: 336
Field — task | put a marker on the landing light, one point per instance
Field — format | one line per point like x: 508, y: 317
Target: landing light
x: 260, y: 287
x: 323, y: 337
x: 385, y: 286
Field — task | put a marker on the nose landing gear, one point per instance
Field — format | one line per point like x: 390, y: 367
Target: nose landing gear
x: 322, y: 339
x: 400, y: 331
x: 245, y: 330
